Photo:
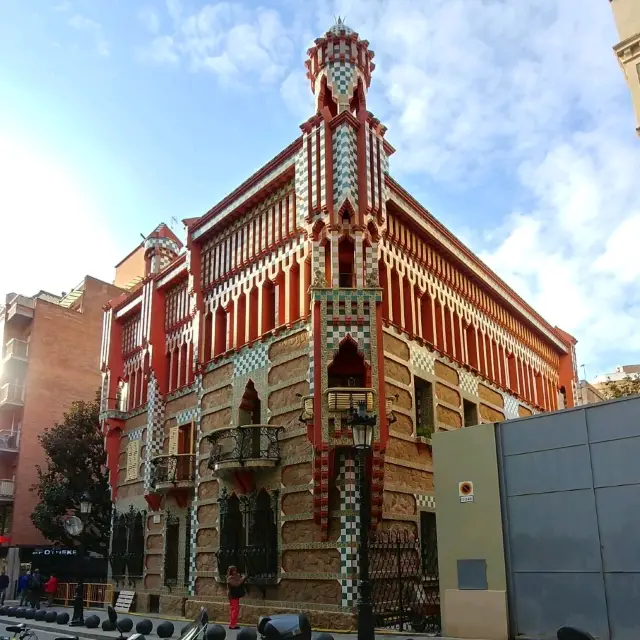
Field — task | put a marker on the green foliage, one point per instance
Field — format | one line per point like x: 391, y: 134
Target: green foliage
x: 76, y: 462
x: 628, y: 386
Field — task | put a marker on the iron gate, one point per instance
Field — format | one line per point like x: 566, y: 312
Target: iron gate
x: 404, y: 581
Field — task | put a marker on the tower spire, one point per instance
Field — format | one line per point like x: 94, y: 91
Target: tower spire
x: 339, y: 68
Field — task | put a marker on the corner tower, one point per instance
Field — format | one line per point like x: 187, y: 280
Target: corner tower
x: 341, y: 194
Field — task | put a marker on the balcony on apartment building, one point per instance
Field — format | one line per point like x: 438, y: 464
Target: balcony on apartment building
x: 173, y: 471
x: 15, y: 351
x: 9, y: 440
x: 19, y: 310
x: 11, y: 396
x: 246, y: 447
x: 6, y: 491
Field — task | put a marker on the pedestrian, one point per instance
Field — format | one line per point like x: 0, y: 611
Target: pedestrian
x: 4, y: 585
x: 23, y: 588
x: 236, y: 590
x: 50, y: 588
x: 35, y: 589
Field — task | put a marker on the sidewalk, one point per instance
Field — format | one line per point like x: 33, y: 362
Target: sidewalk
x: 178, y: 623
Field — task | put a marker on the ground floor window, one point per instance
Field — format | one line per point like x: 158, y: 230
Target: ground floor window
x: 249, y: 534
x: 127, y: 545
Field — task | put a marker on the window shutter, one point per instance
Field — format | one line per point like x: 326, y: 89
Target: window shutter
x: 133, y: 459
x: 173, y: 440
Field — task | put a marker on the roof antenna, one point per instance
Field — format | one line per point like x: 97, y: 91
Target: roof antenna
x: 174, y: 223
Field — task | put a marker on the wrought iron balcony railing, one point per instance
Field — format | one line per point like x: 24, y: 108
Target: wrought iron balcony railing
x: 171, y: 471
x: 248, y: 446
x: 11, y: 395
x: 259, y: 564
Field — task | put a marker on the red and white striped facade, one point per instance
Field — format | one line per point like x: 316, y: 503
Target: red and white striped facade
x: 319, y: 248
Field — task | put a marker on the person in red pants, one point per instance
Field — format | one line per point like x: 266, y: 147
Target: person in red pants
x: 236, y: 590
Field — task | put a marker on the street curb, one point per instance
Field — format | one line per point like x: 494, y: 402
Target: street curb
x: 65, y: 629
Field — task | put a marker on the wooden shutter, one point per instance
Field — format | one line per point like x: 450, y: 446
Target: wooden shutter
x: 174, y: 434
x: 133, y: 459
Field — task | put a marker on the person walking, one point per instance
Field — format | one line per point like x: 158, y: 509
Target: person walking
x: 236, y: 590
x: 50, y: 588
x: 4, y: 585
x: 35, y: 589
x: 23, y: 588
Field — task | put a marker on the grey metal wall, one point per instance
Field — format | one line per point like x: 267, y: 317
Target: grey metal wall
x: 571, y: 510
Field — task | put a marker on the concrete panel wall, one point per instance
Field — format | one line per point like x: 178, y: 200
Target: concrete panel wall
x: 470, y: 531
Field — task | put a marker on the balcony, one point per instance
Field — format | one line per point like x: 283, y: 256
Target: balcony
x: 16, y: 350
x: 8, y: 441
x: 252, y: 446
x: 6, y: 491
x: 348, y: 399
x: 173, y: 471
x: 11, y: 396
x: 19, y: 310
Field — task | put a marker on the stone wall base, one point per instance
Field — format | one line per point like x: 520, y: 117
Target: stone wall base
x: 173, y: 606
x: 218, y: 610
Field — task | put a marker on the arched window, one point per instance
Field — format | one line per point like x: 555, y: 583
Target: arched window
x: 242, y: 319
x: 220, y: 345
x: 294, y: 292
x: 348, y: 368
x: 346, y: 262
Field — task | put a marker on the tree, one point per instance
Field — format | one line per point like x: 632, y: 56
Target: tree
x: 76, y: 462
x: 628, y: 386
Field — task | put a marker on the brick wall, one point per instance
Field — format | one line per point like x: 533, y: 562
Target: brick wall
x: 63, y: 367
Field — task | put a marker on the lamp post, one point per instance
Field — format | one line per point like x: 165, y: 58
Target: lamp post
x: 362, y: 425
x: 76, y: 526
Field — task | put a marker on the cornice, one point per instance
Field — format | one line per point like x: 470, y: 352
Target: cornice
x: 465, y: 256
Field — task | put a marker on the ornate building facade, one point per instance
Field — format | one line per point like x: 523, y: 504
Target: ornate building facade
x: 318, y: 287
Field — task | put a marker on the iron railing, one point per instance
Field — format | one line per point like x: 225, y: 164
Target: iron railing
x: 405, y: 585
x: 127, y: 545
x: 173, y: 468
x: 257, y: 442
x: 259, y: 564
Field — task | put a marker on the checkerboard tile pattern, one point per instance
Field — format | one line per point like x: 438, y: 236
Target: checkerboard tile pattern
x: 423, y: 359
x: 468, y: 382
x: 345, y: 170
x: 155, y: 420
x: 187, y: 416
x: 301, y: 177
x: 251, y: 359
x: 510, y: 406
x: 360, y: 333
x: 196, y: 416
x: 136, y: 434
x: 425, y: 502
x: 342, y: 78
x: 349, y: 525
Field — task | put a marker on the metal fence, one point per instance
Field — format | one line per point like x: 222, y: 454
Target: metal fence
x: 405, y: 586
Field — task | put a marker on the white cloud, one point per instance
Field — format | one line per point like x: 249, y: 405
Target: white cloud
x: 94, y: 29
x: 524, y: 93
x: 52, y: 234
x: 149, y: 19
x: 526, y: 96
x: 236, y: 44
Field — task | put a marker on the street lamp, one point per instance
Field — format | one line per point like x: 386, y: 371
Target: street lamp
x: 75, y: 526
x: 362, y: 426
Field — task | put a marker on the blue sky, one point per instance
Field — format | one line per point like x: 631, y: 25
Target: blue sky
x: 512, y: 124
